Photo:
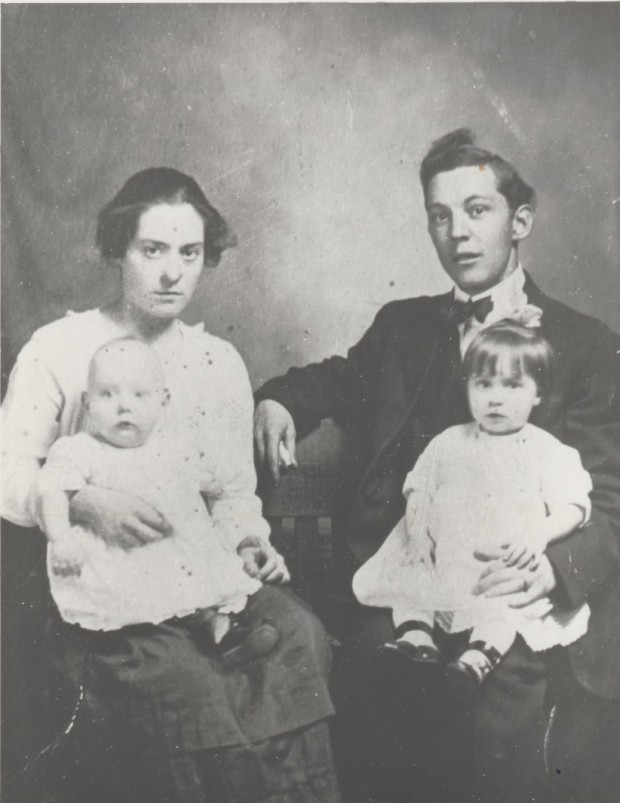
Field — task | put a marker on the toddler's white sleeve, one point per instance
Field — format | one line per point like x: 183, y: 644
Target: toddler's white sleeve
x: 565, y: 481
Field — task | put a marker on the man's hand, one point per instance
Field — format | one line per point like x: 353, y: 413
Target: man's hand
x: 273, y: 425
x: 264, y: 563
x: 519, y: 587
x: 118, y: 518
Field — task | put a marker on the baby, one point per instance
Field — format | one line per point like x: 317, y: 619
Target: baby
x: 497, y: 482
x: 99, y: 584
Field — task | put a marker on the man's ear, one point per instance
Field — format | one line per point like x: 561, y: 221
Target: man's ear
x: 522, y: 222
x: 85, y: 399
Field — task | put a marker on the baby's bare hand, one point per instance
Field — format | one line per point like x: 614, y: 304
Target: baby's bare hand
x: 66, y: 560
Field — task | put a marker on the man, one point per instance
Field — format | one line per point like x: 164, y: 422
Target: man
x: 398, y: 387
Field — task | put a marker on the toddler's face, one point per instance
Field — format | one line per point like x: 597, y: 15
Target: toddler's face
x: 124, y: 399
x: 502, y: 402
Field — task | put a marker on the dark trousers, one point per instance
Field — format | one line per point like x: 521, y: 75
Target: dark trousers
x: 584, y: 742
x: 394, y: 745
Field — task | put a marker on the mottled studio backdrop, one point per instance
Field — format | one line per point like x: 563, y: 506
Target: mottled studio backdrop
x: 305, y: 124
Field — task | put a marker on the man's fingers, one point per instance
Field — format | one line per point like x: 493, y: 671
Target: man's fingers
x: 496, y: 565
x: 259, y: 441
x: 290, y: 442
x: 511, y: 585
x: 522, y: 598
x: 498, y: 583
x: 273, y: 455
x: 489, y: 554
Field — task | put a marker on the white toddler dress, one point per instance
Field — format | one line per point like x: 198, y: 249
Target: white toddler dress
x: 475, y: 491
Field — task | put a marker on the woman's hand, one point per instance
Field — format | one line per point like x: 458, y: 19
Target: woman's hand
x: 519, y: 587
x: 264, y: 563
x: 118, y: 518
x: 273, y: 425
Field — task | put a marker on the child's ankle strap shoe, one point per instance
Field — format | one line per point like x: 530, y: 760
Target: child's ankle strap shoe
x: 464, y: 675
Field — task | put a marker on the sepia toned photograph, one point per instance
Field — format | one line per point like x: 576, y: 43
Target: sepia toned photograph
x: 310, y: 480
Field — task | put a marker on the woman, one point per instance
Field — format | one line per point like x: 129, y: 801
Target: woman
x: 166, y: 721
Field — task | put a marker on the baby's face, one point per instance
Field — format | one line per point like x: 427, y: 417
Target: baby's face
x: 502, y: 402
x: 125, y: 397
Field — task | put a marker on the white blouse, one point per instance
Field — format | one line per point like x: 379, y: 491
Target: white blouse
x: 210, y: 410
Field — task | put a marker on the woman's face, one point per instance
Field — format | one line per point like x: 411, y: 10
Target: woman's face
x: 163, y: 263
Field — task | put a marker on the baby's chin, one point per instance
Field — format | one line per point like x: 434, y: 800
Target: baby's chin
x: 125, y: 438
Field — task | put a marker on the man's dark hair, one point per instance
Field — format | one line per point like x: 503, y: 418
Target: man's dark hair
x: 118, y: 220
x: 457, y: 149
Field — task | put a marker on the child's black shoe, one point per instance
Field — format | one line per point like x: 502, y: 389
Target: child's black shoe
x: 465, y: 675
x: 414, y: 665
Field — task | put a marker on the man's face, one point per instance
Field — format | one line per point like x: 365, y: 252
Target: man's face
x: 473, y: 229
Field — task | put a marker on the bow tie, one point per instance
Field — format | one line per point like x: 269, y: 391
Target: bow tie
x: 457, y: 312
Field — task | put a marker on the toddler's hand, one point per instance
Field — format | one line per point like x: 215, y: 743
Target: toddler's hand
x: 520, y: 554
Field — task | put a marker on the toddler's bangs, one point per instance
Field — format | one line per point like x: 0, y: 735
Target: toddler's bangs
x: 499, y: 361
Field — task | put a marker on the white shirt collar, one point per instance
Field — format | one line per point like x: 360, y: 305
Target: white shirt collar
x: 507, y: 295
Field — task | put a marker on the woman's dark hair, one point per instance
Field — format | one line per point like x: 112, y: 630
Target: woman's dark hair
x: 457, y: 149
x: 531, y: 354
x: 117, y: 222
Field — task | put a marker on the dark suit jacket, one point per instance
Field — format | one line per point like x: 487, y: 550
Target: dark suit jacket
x: 400, y: 385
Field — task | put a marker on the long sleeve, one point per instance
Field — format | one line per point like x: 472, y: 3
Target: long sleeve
x: 586, y: 561
x: 30, y: 416
x: 342, y: 388
x: 235, y: 508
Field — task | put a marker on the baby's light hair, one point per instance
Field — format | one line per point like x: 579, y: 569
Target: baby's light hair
x: 531, y: 354
x: 117, y: 343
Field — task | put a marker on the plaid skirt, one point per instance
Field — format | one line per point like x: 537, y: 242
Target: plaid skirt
x: 162, y: 707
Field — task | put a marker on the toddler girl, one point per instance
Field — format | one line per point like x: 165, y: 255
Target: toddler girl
x: 97, y: 583
x: 495, y: 482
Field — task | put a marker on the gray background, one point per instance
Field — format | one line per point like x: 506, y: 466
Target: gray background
x: 305, y: 124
